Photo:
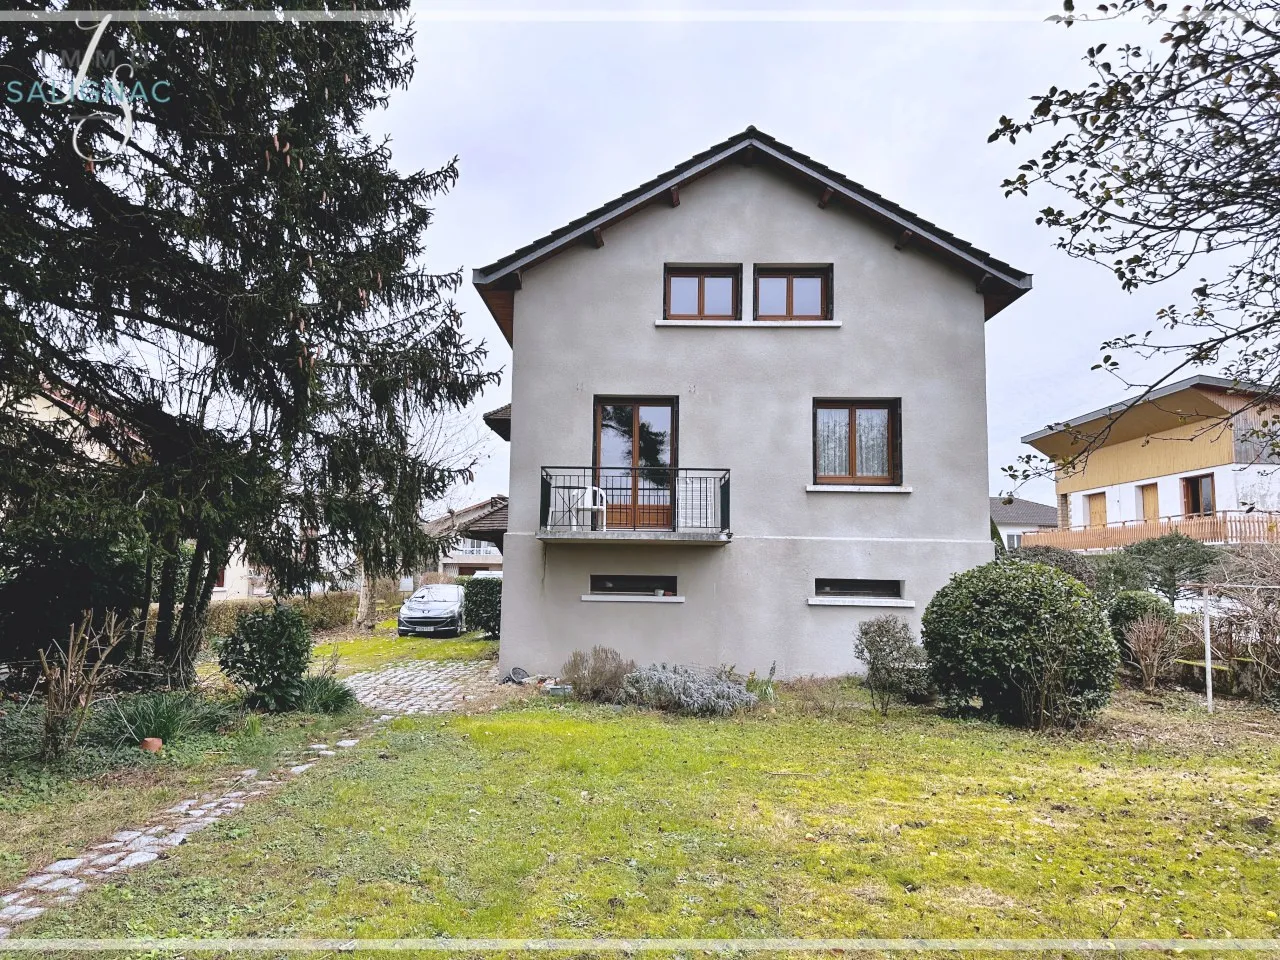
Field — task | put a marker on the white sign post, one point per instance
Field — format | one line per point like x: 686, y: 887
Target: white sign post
x: 1208, y: 654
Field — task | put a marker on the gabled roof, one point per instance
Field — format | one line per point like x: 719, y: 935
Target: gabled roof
x: 458, y: 521
x: 1028, y: 512
x: 1195, y: 398
x: 998, y: 282
x: 499, y: 421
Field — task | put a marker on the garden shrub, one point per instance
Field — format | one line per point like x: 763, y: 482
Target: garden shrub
x: 328, y: 610
x: 1031, y: 643
x: 1131, y: 605
x: 679, y: 689
x: 1072, y: 564
x: 597, y: 675
x: 325, y: 694
x: 268, y: 652
x: 222, y: 615
x: 897, y: 668
x: 1152, y: 642
x: 482, y: 604
x: 170, y: 715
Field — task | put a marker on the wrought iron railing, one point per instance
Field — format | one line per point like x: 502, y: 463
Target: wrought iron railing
x: 634, y: 498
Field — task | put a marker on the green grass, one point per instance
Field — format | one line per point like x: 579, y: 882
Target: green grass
x: 50, y: 812
x: 819, y: 819
x: 359, y: 653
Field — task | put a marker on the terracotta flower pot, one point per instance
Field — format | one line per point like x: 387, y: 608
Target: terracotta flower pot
x: 152, y: 744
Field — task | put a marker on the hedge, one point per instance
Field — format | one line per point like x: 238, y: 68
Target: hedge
x: 482, y: 604
x: 320, y: 611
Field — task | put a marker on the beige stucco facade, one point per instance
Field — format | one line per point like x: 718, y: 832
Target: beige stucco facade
x: 905, y: 325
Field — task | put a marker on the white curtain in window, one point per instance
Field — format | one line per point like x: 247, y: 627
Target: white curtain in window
x: 872, y: 443
x: 833, y: 443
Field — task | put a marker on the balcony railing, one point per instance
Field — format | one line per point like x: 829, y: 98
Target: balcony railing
x: 1226, y: 526
x: 602, y: 500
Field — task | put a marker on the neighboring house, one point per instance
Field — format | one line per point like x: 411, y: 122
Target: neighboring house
x: 748, y: 412
x: 1170, y: 462
x: 1014, y: 518
x: 239, y: 580
x: 479, y: 548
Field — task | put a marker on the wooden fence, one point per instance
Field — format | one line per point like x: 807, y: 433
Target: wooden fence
x: 1228, y: 526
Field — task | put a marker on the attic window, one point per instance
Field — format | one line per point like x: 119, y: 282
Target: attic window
x: 702, y: 293
x: 793, y: 293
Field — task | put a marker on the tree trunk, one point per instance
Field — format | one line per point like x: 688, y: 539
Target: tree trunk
x: 144, y: 605
x: 366, y: 603
x: 195, y: 614
x: 180, y: 666
x: 162, y: 645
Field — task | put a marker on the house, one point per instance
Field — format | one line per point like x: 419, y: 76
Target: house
x: 1181, y: 458
x: 1015, y: 517
x: 748, y: 411
x: 480, y: 527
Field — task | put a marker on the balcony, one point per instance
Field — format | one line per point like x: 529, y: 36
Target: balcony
x: 646, y: 505
x: 1226, y: 526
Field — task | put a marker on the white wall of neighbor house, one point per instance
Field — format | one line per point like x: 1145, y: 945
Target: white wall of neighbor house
x: 469, y: 555
x: 1236, y: 487
x: 239, y: 581
x: 1009, y: 532
x: 909, y: 328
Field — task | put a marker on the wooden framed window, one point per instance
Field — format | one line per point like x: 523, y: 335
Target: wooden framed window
x: 222, y: 579
x: 702, y: 293
x: 638, y: 585
x: 792, y: 293
x: 857, y: 441
x: 1197, y: 496
x: 879, y: 589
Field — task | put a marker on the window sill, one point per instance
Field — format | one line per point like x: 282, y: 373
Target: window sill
x: 627, y: 598
x: 748, y: 323
x: 855, y: 488
x: 860, y: 602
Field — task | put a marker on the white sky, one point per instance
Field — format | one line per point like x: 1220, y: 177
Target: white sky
x: 551, y: 119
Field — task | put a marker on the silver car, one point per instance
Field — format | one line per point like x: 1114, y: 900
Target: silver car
x: 433, y: 609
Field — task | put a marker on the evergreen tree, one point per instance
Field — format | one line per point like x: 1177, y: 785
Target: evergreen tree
x: 228, y: 297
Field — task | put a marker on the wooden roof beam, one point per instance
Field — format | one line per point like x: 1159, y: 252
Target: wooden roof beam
x: 826, y: 198
x: 674, y: 195
x: 905, y: 240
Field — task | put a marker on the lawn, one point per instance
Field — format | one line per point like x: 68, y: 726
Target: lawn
x: 358, y: 652
x: 816, y: 819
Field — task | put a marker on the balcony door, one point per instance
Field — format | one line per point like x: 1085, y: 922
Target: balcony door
x: 635, y: 459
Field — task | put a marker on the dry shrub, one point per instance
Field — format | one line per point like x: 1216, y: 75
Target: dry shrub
x: 597, y: 675
x: 72, y: 679
x: 1154, y: 643
x: 1248, y: 625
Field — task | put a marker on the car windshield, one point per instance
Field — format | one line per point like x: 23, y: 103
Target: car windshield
x: 439, y: 592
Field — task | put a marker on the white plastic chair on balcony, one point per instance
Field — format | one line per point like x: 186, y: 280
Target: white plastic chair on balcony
x: 583, y: 500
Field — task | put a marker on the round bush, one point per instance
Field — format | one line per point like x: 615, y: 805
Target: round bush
x: 268, y: 652
x: 1029, y: 642
x: 1129, y: 606
x: 1072, y: 564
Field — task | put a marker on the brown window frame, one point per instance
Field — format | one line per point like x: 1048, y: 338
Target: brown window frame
x: 732, y: 271
x: 1186, y: 495
x: 823, y: 273
x: 894, y: 406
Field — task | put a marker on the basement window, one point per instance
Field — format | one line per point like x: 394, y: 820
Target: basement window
x: 633, y: 585
x: 879, y: 589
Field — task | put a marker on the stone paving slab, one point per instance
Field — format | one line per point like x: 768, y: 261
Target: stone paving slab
x: 425, y: 686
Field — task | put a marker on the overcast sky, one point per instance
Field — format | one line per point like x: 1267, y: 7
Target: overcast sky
x: 551, y: 118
